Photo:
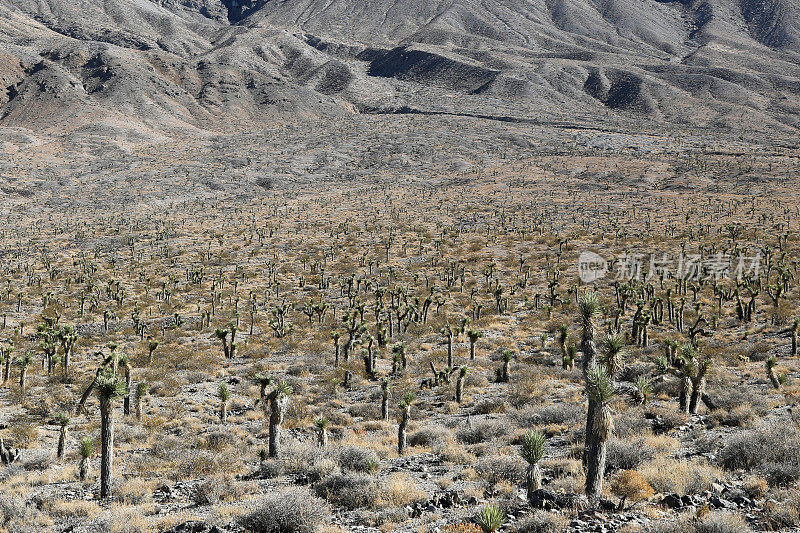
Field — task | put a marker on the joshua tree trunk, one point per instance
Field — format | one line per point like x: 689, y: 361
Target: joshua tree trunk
x: 323, y: 437
x: 533, y: 480
x: 7, y: 370
x: 126, y: 400
x: 83, y: 468
x: 698, y: 386
x: 773, y: 378
x: 683, y: 399
x: 472, y: 350
x: 62, y: 440
x: 22, y: 374
x: 385, y: 401
x: 450, y: 350
x: 459, y: 388
x: 595, y: 466
x: 106, y: 447
x: 401, y: 430
x: 223, y: 411
x: 277, y: 408
x: 138, y: 407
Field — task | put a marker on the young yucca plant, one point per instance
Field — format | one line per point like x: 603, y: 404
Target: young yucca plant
x: 85, y: 450
x: 62, y: 420
x: 643, y: 389
x: 532, y: 451
x: 490, y: 518
x: 322, y: 423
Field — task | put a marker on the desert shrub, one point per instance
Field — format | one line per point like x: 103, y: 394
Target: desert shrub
x: 452, y: 452
x: 495, y: 468
x: 357, y: 459
x: 18, y: 516
x: 133, y: 491
x: 350, y: 491
x: 293, y: 511
x: 626, y: 454
x: 23, y: 435
x: 216, y: 489
x: 681, y: 477
x: 219, y: 441
x: 490, y: 406
x: 783, y: 515
x: 630, y: 486
x: 429, y: 436
x: 483, y: 431
x: 667, y: 419
x: 400, y: 490
x: 556, y: 413
x: 542, y: 522
x: 39, y: 462
x: 714, y: 522
x: 740, y: 416
x: 631, y: 423
x: 770, y: 450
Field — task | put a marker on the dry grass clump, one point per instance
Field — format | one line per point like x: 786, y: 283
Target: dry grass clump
x: 682, y: 477
x: 483, y: 431
x: 713, y: 522
x: 398, y: 490
x: 351, y: 491
x: 292, y: 510
x: 771, y: 450
x: 542, y: 522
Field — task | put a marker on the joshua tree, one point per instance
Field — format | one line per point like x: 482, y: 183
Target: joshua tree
x: 385, y: 393
x: 336, y: 336
x: 792, y: 330
x: 503, y: 371
x: 563, y: 335
x: 600, y: 390
x: 774, y: 378
x: 85, y: 450
x: 543, y: 339
x: 24, y: 361
x: 449, y: 333
x: 63, y: 424
x: 695, y: 369
x: 152, y: 344
x: 589, y: 308
x: 405, y: 415
x: 109, y: 388
x: 322, y: 427
x: 141, y: 392
x: 278, y: 401
x: 263, y: 382
x: 460, y: 383
x: 568, y: 360
x: 7, y: 361
x: 399, y: 350
x: 67, y: 337
x: 124, y: 361
x: 532, y: 451
x: 228, y: 346
x: 473, y: 336
x: 224, y: 398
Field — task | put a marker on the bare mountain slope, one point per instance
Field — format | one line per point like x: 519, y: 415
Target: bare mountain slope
x: 158, y: 65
